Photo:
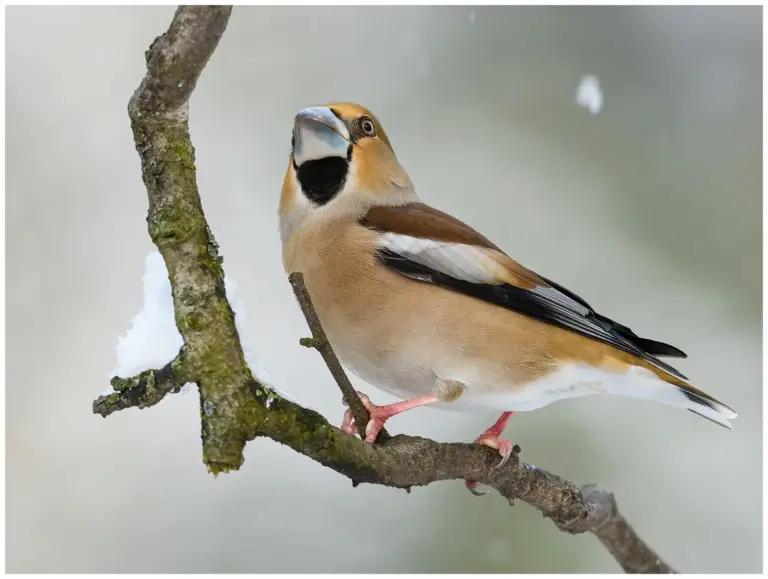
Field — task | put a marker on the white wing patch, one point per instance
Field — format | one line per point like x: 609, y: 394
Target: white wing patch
x: 465, y: 262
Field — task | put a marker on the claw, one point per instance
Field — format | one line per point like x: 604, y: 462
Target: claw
x: 504, y: 446
x: 372, y: 429
x: 503, y: 462
x: 492, y: 438
x: 472, y: 487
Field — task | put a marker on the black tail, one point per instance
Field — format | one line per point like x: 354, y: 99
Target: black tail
x: 651, y: 347
x: 708, y: 407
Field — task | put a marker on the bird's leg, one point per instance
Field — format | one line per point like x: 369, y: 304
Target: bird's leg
x: 492, y: 438
x: 380, y: 414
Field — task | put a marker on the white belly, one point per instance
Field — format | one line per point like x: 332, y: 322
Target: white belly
x: 413, y: 373
x: 402, y: 375
x: 569, y: 381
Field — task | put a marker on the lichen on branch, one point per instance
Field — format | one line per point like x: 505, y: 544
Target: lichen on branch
x: 213, y: 356
x: 141, y: 391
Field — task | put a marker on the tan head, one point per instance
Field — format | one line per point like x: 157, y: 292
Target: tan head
x: 341, y: 162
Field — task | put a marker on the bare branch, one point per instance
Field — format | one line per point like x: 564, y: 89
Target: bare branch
x: 235, y: 407
x: 158, y: 110
x: 142, y: 391
x: 621, y: 540
x: 176, y: 59
x: 319, y: 342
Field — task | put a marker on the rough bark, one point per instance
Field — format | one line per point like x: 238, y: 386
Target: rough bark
x: 234, y: 407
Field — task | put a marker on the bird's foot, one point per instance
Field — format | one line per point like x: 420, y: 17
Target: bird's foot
x: 378, y: 415
x: 492, y: 438
x: 504, y: 446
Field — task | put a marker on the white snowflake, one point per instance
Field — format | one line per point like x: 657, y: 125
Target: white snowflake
x: 589, y: 94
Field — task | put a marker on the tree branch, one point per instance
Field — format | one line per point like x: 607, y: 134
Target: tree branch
x: 142, y: 391
x: 234, y: 406
x: 213, y: 357
x: 319, y: 342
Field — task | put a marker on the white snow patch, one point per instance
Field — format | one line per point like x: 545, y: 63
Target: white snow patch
x: 187, y: 388
x: 154, y: 340
x: 589, y: 94
x: 261, y: 372
x: 258, y: 368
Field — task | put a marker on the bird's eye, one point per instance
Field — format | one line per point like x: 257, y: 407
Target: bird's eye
x: 367, y: 126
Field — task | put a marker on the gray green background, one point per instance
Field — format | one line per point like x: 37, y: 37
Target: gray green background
x: 650, y: 210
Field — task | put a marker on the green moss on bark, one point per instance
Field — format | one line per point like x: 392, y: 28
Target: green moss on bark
x: 212, y: 355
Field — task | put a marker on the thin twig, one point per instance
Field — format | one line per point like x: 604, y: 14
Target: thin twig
x: 141, y: 391
x: 319, y: 342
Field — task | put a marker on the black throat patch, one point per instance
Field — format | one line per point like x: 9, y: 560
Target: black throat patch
x: 322, y: 179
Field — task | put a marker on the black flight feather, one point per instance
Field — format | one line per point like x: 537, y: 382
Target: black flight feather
x: 591, y: 325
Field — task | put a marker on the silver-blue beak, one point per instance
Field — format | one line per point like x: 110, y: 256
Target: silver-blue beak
x: 319, y: 134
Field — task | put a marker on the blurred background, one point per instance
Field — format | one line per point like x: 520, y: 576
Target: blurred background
x: 651, y: 210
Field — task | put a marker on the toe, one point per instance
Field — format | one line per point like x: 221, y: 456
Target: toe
x: 505, y: 450
x: 350, y: 429
x: 492, y: 441
x: 366, y: 402
x: 372, y: 429
x: 474, y: 488
x: 347, y: 424
x: 503, y: 445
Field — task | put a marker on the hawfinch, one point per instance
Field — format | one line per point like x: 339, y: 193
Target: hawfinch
x: 424, y: 307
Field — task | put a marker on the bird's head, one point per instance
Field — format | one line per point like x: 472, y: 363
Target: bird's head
x: 341, y: 158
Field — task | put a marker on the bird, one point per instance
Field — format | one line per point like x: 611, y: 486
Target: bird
x: 422, y: 306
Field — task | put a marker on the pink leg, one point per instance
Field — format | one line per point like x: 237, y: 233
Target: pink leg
x: 492, y: 438
x: 380, y: 414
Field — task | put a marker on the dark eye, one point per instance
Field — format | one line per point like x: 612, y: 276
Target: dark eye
x: 367, y: 126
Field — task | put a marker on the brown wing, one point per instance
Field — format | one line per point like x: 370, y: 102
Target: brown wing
x: 421, y: 221
x: 431, y: 246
